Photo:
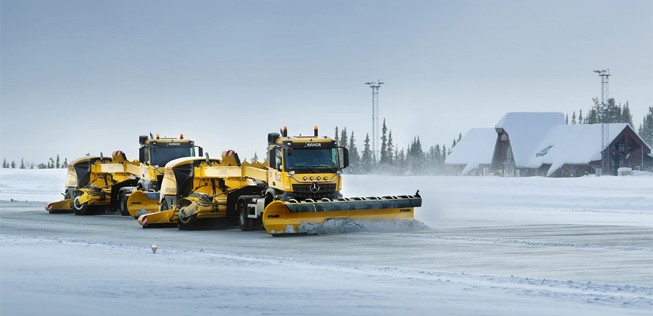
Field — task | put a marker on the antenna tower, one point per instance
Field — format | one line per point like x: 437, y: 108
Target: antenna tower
x: 605, y: 128
x: 375, y: 85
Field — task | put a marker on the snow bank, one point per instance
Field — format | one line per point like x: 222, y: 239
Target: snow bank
x: 41, y: 185
x: 477, y: 147
x: 500, y: 201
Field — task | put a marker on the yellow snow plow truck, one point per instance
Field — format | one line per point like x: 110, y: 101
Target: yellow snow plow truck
x: 304, y: 179
x: 197, y: 189
x: 297, y: 188
x: 100, y: 182
x: 90, y: 181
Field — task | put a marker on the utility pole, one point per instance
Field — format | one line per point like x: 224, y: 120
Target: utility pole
x: 375, y: 85
x: 605, y: 129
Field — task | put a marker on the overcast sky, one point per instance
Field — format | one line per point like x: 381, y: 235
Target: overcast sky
x: 84, y: 76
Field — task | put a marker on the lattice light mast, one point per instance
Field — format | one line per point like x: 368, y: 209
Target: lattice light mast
x: 375, y: 85
x: 605, y: 128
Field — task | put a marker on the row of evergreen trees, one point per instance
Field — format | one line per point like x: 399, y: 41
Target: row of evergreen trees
x: 52, y: 163
x: 611, y: 112
x: 608, y: 112
x: 393, y: 159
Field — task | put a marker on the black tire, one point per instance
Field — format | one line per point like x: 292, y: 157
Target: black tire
x: 245, y: 223
x: 78, y: 208
x: 122, y: 204
x: 185, y: 222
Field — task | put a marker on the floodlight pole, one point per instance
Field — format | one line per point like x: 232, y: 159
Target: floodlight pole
x: 375, y: 85
x: 605, y: 129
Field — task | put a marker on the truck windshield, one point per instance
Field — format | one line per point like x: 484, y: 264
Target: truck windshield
x: 163, y: 155
x: 312, y: 160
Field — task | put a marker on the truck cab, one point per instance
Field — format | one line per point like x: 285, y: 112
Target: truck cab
x: 155, y: 152
x: 305, y: 167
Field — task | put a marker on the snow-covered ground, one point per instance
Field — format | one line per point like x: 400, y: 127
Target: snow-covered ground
x: 493, y: 246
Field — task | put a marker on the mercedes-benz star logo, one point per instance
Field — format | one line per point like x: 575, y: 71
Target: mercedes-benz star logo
x: 314, y: 187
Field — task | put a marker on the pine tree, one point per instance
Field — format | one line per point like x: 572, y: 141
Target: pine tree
x: 573, y: 118
x: 646, y: 128
x: 57, y: 164
x: 567, y: 119
x: 51, y: 163
x: 367, y: 160
x: 255, y: 158
x: 592, y: 116
x: 354, y: 157
x: 390, y: 149
x: 613, y: 112
x: 383, y: 159
x: 13, y: 164
x: 580, y: 117
x: 22, y: 163
x: 4, y: 163
x: 65, y: 163
x: 343, y: 138
x: 400, y: 161
x: 626, y: 117
x: 337, y: 136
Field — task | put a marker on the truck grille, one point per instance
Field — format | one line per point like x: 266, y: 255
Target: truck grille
x: 323, y: 190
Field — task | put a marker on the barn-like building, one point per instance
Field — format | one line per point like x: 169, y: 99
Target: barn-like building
x: 541, y: 144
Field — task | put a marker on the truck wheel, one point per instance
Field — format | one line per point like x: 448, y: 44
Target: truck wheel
x: 122, y: 204
x: 185, y: 222
x: 79, y: 208
x: 244, y: 222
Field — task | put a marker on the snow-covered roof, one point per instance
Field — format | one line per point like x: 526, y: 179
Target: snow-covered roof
x: 526, y: 130
x: 572, y: 144
x: 475, y: 148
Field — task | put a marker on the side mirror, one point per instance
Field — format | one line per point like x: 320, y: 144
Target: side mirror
x: 141, y: 154
x: 200, y: 151
x: 343, y: 157
x: 272, y: 159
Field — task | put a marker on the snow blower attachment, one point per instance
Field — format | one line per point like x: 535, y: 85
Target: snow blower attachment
x: 198, y: 189
x: 91, y: 182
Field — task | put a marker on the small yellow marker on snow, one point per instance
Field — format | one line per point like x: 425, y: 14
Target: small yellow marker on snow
x: 153, y: 248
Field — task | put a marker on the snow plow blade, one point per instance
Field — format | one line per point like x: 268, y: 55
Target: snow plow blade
x: 63, y: 206
x: 140, y: 203
x: 287, y: 217
x: 158, y: 219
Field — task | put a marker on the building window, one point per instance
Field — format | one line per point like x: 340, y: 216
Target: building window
x: 543, y: 152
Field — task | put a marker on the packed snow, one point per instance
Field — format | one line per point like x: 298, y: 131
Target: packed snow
x: 479, y: 246
x: 476, y: 148
x: 526, y: 129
